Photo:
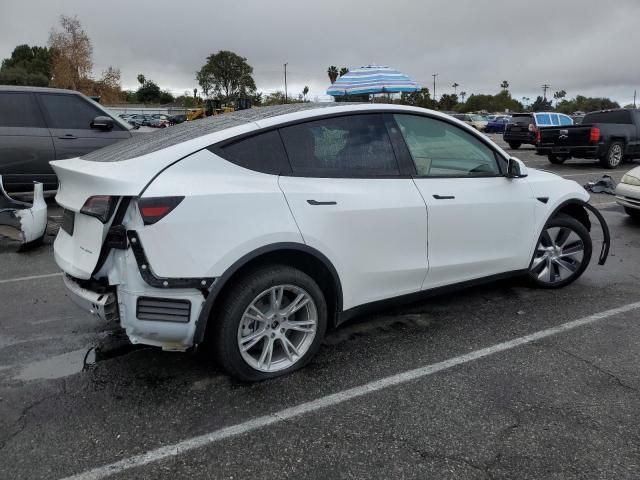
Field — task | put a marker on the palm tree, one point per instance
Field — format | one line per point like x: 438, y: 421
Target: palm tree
x: 305, y: 90
x: 504, y: 85
x: 455, y: 88
x: 333, y: 73
x: 462, y: 95
x: 343, y: 71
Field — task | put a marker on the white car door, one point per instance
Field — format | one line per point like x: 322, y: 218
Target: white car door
x: 480, y: 222
x: 351, y: 203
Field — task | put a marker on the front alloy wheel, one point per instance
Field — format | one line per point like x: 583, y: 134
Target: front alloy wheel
x: 562, y: 254
x: 277, y: 328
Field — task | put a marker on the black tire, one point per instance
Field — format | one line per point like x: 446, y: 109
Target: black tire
x: 633, y: 213
x: 562, y: 222
x: 514, y: 145
x: 224, y: 337
x: 614, y: 156
x: 557, y: 160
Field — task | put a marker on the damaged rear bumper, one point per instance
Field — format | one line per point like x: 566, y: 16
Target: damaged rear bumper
x: 102, y: 305
x: 29, y: 220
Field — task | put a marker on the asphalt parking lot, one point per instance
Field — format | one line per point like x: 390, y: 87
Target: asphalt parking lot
x: 499, y: 381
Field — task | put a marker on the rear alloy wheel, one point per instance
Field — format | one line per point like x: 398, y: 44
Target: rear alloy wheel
x: 272, y: 323
x: 562, y: 254
x: 614, y: 155
x: 515, y: 145
x: 557, y: 160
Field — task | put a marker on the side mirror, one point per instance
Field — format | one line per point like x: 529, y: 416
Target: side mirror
x: 102, y: 123
x: 516, y: 168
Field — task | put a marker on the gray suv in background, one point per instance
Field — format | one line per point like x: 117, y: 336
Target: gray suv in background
x: 42, y: 124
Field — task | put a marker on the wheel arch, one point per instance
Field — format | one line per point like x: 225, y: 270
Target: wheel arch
x: 580, y: 210
x: 311, y: 261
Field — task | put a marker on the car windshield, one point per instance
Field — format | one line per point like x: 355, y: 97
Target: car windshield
x: 477, y: 118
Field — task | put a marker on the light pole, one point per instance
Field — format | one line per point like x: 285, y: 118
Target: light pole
x: 286, y: 96
x: 434, y: 85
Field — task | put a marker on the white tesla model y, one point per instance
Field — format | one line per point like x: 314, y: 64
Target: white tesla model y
x: 258, y: 230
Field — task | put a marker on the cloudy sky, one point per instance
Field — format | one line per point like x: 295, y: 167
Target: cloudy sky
x: 582, y: 46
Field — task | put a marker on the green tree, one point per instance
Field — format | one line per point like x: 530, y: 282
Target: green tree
x: 343, y: 71
x: 455, y: 88
x: 27, y: 66
x: 226, y: 73
x: 504, y: 85
x: 333, y: 73
x: 141, y: 79
x: 305, y: 91
x: 421, y: 98
x: 540, y: 105
x: 447, y: 101
x: 559, y: 95
x: 278, y: 98
x: 149, y: 92
x: 463, y: 96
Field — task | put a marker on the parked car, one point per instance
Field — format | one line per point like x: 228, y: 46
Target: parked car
x: 176, y: 119
x: 610, y: 136
x: 474, y: 120
x: 497, y: 124
x: 42, y: 124
x: 628, y: 193
x: 227, y: 229
x: 522, y: 127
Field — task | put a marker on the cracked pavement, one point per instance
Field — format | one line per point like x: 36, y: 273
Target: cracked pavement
x: 565, y: 407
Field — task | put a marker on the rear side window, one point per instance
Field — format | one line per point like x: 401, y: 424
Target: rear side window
x: 19, y: 110
x: 349, y: 146
x: 70, y: 111
x: 543, y: 119
x: 615, y: 116
x: 262, y: 153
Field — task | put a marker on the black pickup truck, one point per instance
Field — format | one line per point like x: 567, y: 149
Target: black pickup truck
x: 609, y: 136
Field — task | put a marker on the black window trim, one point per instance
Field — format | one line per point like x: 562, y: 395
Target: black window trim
x: 406, y: 165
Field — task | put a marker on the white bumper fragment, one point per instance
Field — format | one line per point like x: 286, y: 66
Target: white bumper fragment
x: 29, y: 220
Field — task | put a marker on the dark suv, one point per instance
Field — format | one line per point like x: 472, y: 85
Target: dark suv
x: 42, y: 124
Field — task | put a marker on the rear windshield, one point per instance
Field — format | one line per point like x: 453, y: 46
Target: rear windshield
x: 616, y: 116
x: 521, y: 119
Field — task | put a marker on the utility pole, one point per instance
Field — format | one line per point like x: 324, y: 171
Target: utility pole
x: 545, y: 87
x: 635, y: 92
x: 286, y: 96
x: 434, y: 85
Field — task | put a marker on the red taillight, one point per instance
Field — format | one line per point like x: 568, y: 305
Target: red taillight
x: 594, y: 134
x: 154, y: 209
x: 100, y: 207
x: 538, y: 137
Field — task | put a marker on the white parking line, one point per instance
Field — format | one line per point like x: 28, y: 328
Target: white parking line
x: 335, y: 399
x: 32, y: 277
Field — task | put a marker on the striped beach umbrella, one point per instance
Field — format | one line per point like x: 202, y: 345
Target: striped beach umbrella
x: 372, y: 79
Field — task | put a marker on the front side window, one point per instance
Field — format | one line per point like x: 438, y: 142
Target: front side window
x: 19, y: 110
x: 440, y: 149
x: 70, y: 111
x: 350, y: 146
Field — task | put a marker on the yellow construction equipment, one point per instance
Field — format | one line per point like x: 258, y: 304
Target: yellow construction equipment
x: 214, y: 107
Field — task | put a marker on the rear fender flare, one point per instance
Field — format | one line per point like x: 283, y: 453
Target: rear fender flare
x: 220, y: 282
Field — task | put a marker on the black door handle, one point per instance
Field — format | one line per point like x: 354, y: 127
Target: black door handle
x: 444, y: 197
x: 68, y: 136
x: 315, y: 202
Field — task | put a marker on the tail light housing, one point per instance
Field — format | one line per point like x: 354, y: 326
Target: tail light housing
x: 594, y: 135
x: 100, y: 207
x: 538, y: 137
x: 154, y: 209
